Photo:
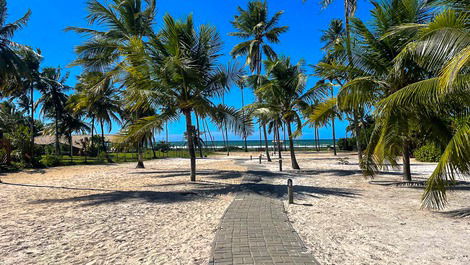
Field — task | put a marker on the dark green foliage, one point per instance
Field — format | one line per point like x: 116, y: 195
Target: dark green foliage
x: 347, y: 144
x: 428, y: 153
x: 50, y: 160
x: 101, y: 157
x: 162, y: 147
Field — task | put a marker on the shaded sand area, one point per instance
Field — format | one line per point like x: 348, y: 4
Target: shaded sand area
x: 115, y: 214
x: 345, y: 220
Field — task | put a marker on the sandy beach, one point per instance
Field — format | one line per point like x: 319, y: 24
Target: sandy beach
x: 343, y: 219
x: 116, y: 214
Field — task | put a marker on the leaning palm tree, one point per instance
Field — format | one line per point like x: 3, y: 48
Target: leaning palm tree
x: 443, y: 48
x: 53, y: 98
x: 184, y: 76
x: 255, y: 26
x: 13, y: 69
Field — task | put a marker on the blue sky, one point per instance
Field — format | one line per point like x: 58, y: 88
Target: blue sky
x: 49, y: 18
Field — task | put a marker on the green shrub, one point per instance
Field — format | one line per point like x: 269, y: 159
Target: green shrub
x: 428, y: 153
x: 347, y: 144
x: 101, y: 157
x: 50, y: 160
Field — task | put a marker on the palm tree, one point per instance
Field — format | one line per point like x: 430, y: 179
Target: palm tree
x: 285, y: 91
x: 98, y: 99
x: 241, y: 84
x: 257, y: 28
x: 53, y: 98
x: 122, y: 20
x: 442, y: 47
x: 69, y: 124
x: 13, y: 68
x: 32, y: 60
x: 350, y: 7
x: 182, y: 64
x: 374, y: 78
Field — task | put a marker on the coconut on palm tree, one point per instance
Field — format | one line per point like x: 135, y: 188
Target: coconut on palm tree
x: 257, y: 29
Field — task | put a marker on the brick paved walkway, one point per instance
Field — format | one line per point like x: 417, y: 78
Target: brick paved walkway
x: 255, y: 230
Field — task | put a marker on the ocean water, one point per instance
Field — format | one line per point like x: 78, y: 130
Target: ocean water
x: 256, y: 143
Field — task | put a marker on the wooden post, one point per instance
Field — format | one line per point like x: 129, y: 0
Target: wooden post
x: 260, y: 159
x: 290, y: 191
x: 251, y: 157
x: 280, y: 165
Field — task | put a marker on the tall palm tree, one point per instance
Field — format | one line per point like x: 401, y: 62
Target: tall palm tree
x: 13, y: 69
x: 185, y: 76
x: 350, y: 7
x: 32, y: 60
x: 241, y: 84
x: 53, y: 98
x: 285, y: 90
x: 124, y: 21
x: 255, y: 26
x: 333, y: 38
x: 99, y: 100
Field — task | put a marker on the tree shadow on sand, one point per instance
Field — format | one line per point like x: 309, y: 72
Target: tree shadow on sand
x: 459, y: 213
x: 201, y: 190
x: 214, y: 174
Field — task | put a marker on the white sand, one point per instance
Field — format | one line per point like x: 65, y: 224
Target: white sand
x: 144, y: 217
x: 136, y: 218
x: 346, y: 220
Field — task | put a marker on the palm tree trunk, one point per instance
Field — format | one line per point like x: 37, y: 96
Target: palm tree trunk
x: 140, y: 157
x: 334, y: 134
x: 153, y: 147
x: 333, y: 126
x: 349, y: 52
x: 166, y: 132
x: 199, y: 146
x: 92, y: 132
x: 279, y: 145
x: 318, y: 139
x: 244, y: 128
x: 284, y: 132
x: 406, y: 161
x: 226, y: 138
x: 71, y: 147
x: 266, y: 147
x: 103, y: 143
x: 32, y: 121
x: 57, y: 144
x: 358, y: 142
x: 293, y: 159
x: 192, y: 153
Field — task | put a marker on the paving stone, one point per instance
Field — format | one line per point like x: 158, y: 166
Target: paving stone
x: 255, y: 230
